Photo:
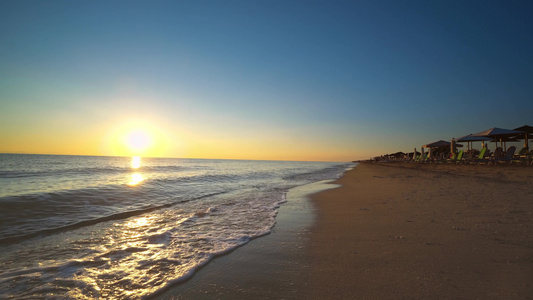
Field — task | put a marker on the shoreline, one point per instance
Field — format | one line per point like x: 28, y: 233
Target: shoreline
x: 268, y: 267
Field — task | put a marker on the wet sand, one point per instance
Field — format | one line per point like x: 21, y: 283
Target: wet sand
x: 391, y: 231
x: 275, y: 266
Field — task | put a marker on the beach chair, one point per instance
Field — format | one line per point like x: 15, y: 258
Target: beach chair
x: 456, y: 158
x: 459, y: 158
x: 523, y: 156
x: 482, y: 153
x: 448, y: 160
x: 497, y: 155
x: 453, y: 157
x: 527, y: 158
x: 523, y: 151
x: 508, y: 157
x: 481, y: 157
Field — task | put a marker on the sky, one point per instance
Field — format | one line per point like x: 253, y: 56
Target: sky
x: 272, y: 80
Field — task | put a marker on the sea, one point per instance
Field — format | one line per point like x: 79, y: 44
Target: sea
x: 92, y: 227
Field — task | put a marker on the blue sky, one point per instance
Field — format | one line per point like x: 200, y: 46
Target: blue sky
x: 341, y: 79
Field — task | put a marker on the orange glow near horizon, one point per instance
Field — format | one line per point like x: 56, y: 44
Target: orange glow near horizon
x: 155, y: 137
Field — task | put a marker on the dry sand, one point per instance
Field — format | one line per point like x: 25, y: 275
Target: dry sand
x: 413, y: 231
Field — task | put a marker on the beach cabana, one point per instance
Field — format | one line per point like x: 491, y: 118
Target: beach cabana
x: 499, y: 134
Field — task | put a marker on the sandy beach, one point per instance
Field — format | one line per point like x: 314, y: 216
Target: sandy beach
x: 391, y: 231
x: 413, y: 231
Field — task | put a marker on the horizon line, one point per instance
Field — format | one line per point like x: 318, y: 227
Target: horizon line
x: 129, y: 156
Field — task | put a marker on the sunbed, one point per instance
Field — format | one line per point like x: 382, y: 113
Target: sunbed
x: 456, y: 158
x: 459, y: 158
x: 481, y: 157
x: 508, y: 156
x: 523, y: 151
x: 523, y: 156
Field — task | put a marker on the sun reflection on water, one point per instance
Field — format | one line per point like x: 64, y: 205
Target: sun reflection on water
x: 138, y: 222
x: 135, y: 162
x: 136, y: 177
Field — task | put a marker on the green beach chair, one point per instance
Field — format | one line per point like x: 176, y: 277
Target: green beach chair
x: 459, y: 158
x: 482, y: 153
x: 453, y: 156
x: 456, y: 158
x: 481, y: 157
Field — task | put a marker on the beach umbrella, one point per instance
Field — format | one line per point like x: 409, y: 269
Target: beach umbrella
x: 528, y: 131
x: 498, y: 134
x: 438, y: 144
x: 441, y: 144
x: 472, y: 138
x: 398, y: 154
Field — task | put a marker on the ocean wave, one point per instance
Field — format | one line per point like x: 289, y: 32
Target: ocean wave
x: 92, y: 171
x: 14, y: 236
x: 63, y: 172
x: 333, y: 172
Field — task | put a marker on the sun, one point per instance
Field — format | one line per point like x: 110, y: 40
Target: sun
x: 137, y: 137
x: 138, y: 140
